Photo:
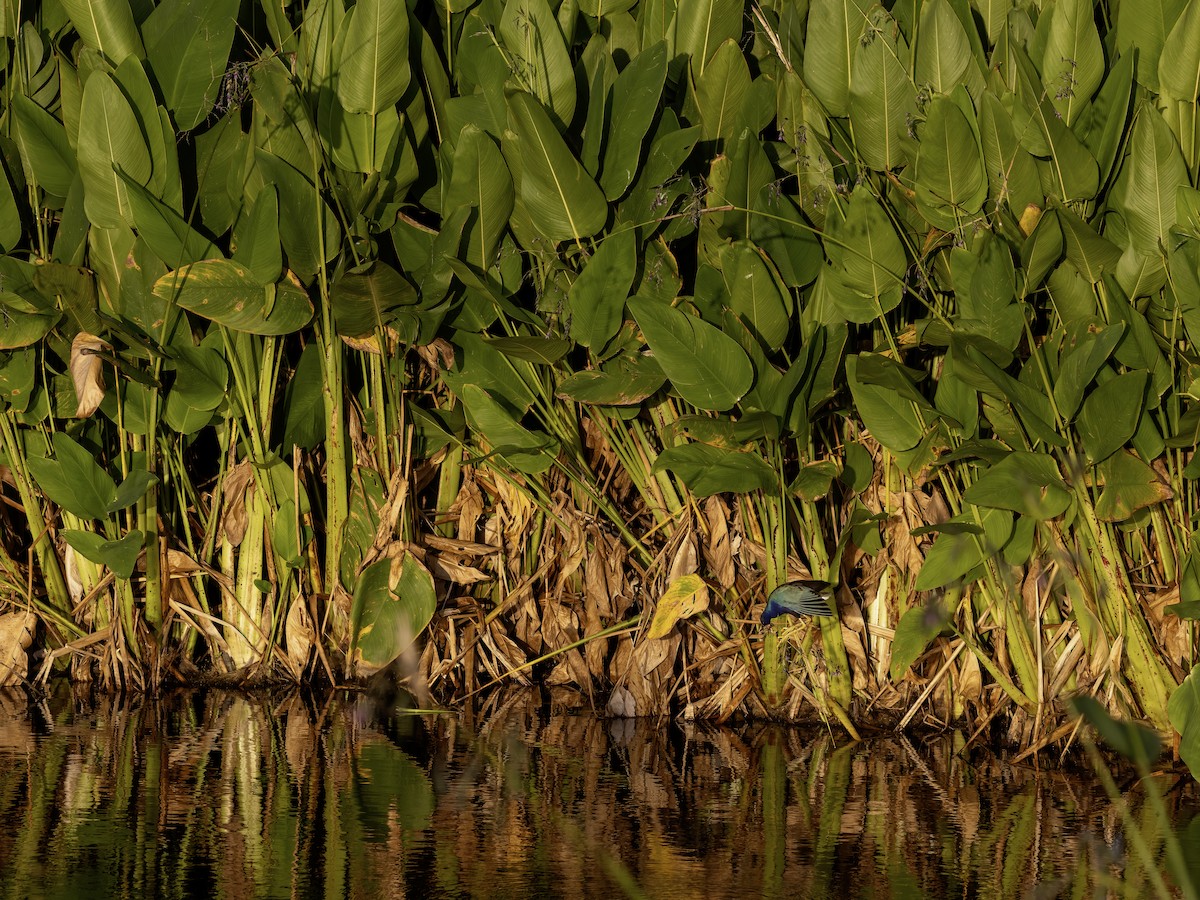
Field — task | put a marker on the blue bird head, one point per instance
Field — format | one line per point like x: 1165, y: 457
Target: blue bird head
x: 799, y: 598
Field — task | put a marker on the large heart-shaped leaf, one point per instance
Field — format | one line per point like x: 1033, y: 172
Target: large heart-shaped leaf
x: 706, y: 366
x: 374, y: 68
x: 562, y: 200
x: 394, y: 600
x: 883, y: 99
x: 1026, y: 483
x: 110, y: 141
x: 711, y: 470
x: 73, y: 479
x: 187, y: 46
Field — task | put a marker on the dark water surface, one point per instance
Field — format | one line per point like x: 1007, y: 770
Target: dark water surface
x: 221, y: 795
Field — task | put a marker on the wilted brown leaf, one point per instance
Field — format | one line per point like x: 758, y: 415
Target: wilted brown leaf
x: 718, y: 550
x: 299, y: 635
x: 16, y: 634
x: 239, y: 482
x: 87, y: 372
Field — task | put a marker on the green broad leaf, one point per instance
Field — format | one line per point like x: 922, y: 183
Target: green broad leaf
x: 1187, y: 211
x: 187, y: 46
x: 895, y: 414
x: 536, y: 49
x: 539, y: 350
x: 1111, y: 414
x: 110, y: 141
x: 1080, y: 365
x: 165, y: 182
x: 508, y: 380
x: 10, y: 216
x: 1027, y: 483
x: 701, y: 26
x: 132, y: 489
x: 1090, y: 254
x: 308, y: 228
x: 1073, y: 61
x: 393, y: 602
x: 226, y: 293
x: 778, y: 227
x: 527, y: 451
x: 374, y: 69
x: 1179, y: 64
x: 984, y: 286
x: 73, y: 479
x: 358, y: 142
x: 562, y: 200
x: 724, y: 433
x: 44, y: 147
x: 943, y: 50
x: 18, y: 378
x: 834, y: 29
x: 481, y: 181
x: 201, y: 381
x: 107, y: 26
x: 1102, y: 124
x: 74, y: 287
x: 289, y: 535
x: 1011, y: 171
x: 1041, y: 253
x: 754, y: 294
x: 1149, y: 180
x: 814, y: 480
x: 706, y: 366
x: 1031, y: 404
x: 1141, y: 30
x: 256, y: 238
x: 165, y: 232
x: 120, y: 556
x: 635, y: 97
x: 599, y: 9
x: 1183, y: 709
x: 1133, y: 741
x: 21, y: 323
x: 866, y: 252
x: 624, y: 381
x: 914, y: 633
x: 721, y: 94
x: 883, y: 99
x: 1071, y: 172
x: 954, y: 554
x: 712, y: 470
x: 303, y: 409
x: 597, y: 298
x: 1129, y: 485
x: 950, y: 180
x: 363, y: 298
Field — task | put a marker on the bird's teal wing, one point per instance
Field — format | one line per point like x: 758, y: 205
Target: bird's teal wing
x: 799, y: 598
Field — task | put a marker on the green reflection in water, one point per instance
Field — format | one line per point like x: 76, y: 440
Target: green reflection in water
x: 228, y: 796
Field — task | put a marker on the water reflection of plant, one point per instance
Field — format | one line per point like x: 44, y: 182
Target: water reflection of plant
x: 239, y: 796
x: 539, y: 321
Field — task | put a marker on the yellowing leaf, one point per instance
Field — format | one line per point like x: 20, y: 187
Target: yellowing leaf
x: 684, y: 598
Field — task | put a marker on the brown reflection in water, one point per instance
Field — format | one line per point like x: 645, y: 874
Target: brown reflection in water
x: 242, y: 797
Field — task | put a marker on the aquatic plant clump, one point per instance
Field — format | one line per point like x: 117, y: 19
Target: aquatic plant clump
x: 513, y: 341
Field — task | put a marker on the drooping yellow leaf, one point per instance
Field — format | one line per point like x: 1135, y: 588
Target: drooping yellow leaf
x: 684, y: 598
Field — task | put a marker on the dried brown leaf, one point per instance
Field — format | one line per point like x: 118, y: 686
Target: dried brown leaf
x: 718, y: 550
x: 239, y: 483
x: 87, y: 372
x: 16, y: 634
